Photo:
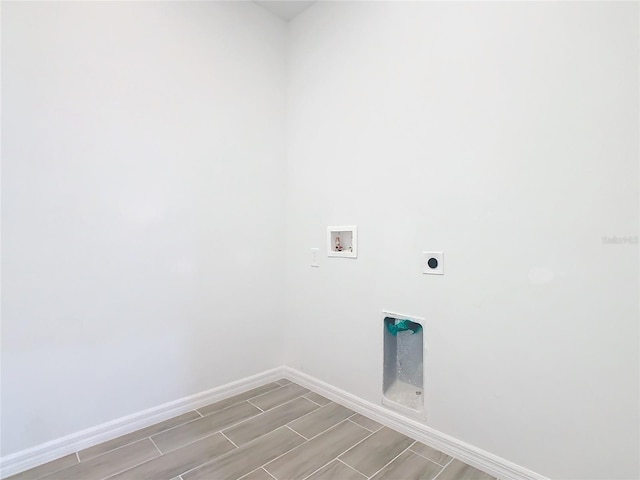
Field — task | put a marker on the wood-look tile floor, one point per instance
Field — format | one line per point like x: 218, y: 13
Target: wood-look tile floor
x: 277, y: 431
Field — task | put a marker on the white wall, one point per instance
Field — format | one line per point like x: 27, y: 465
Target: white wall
x: 505, y: 134
x: 143, y: 200
x: 143, y: 207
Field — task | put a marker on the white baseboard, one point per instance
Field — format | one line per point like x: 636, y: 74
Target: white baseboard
x: 485, y: 461
x: 46, y: 452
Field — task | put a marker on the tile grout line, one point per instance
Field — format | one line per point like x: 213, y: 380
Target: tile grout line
x: 318, y: 469
x: 354, y: 446
x: 153, y: 435
x: 433, y: 461
x: 308, y: 439
x: 232, y: 442
x: 317, y: 408
x: 392, y: 460
x: 332, y: 426
x: 366, y: 428
x: 96, y: 456
x: 253, y: 417
x: 250, y: 403
x: 189, y: 421
x: 133, y: 441
x: 238, y: 422
x: 243, y: 477
x: 227, y: 427
x: 132, y: 466
x: 240, y: 401
x: 203, y: 464
x: 349, y: 466
x: 342, y: 453
x: 154, y: 444
x: 267, y: 411
x: 216, y: 411
x: 280, y: 404
x: 270, y: 391
x: 291, y: 449
x: 243, y: 420
x: 289, y: 401
x: 262, y: 468
x: 372, y: 431
x: 214, y: 432
x: 285, y: 426
x: 299, y: 434
x: 328, y: 428
x: 307, y: 414
x: 43, y: 477
x: 305, y: 396
x: 351, y: 447
x: 208, y: 461
x: 443, y: 469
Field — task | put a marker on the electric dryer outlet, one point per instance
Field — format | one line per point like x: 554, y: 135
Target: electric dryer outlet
x: 433, y: 263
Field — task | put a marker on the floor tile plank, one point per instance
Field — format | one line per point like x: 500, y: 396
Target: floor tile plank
x: 309, y: 457
x: 336, y: 470
x: 259, y: 474
x: 317, y: 398
x: 108, y: 464
x: 47, y: 468
x: 241, y: 397
x: 247, y: 458
x: 376, y: 451
x: 179, y: 461
x: 366, y: 422
x: 430, y: 453
x: 279, y: 396
x: 409, y: 466
x: 321, y: 420
x: 203, y: 427
x: 266, y: 422
x: 101, y: 448
x: 458, y: 470
x: 261, y: 434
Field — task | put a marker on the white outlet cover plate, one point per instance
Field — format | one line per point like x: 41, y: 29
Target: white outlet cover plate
x: 314, y: 257
x: 439, y: 258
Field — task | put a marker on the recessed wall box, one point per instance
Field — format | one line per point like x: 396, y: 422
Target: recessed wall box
x: 342, y: 241
x: 403, y: 373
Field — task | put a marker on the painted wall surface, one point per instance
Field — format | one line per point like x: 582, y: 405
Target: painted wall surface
x: 142, y: 207
x: 506, y: 135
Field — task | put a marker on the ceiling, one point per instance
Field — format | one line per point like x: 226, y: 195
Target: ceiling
x: 286, y: 10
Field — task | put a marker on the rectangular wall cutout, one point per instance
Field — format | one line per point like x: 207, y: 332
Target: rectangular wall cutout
x: 403, y: 376
x: 342, y: 241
